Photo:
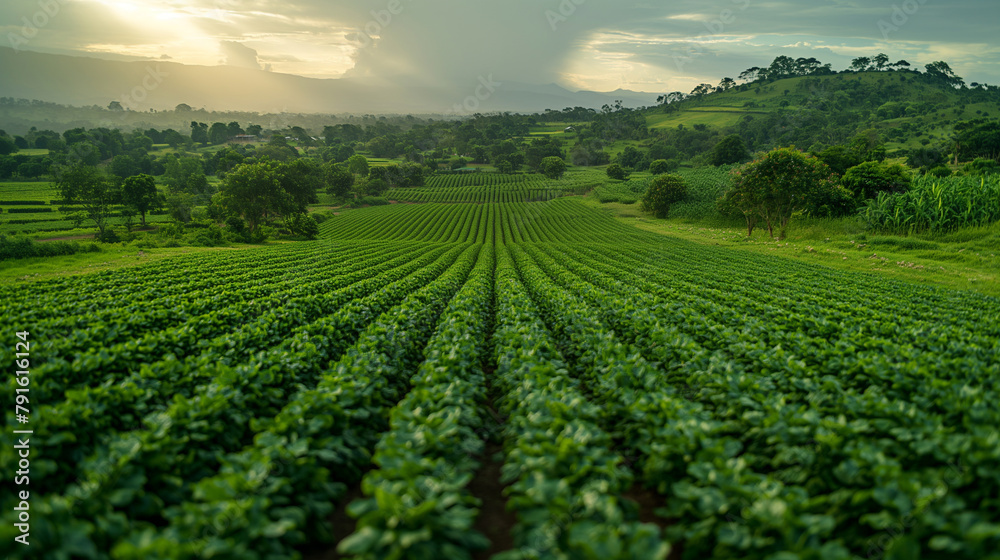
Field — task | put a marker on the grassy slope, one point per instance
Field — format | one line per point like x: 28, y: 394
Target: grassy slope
x: 726, y: 109
x: 967, y: 260
x: 44, y: 268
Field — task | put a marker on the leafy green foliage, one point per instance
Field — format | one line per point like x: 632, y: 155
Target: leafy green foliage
x: 731, y: 149
x: 867, y: 180
x: 617, y: 172
x: 776, y: 185
x: 771, y: 409
x: 553, y: 167
x: 936, y: 204
x: 663, y: 191
x: 661, y: 166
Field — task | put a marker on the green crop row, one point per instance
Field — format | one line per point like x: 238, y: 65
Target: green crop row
x: 227, y: 405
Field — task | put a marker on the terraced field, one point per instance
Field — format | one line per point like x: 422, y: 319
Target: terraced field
x: 645, y: 397
x: 35, y: 207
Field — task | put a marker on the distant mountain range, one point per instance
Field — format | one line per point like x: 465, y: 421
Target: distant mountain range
x: 84, y: 81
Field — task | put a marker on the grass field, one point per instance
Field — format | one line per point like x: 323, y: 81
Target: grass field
x: 112, y: 257
x: 968, y: 259
x: 506, y: 379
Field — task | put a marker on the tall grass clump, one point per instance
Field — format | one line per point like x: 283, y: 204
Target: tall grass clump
x: 937, y: 205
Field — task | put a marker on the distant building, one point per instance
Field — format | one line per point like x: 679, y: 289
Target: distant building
x: 244, y: 139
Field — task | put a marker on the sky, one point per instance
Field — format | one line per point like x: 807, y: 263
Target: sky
x: 600, y: 45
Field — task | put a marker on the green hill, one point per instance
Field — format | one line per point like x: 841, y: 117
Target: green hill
x: 910, y: 109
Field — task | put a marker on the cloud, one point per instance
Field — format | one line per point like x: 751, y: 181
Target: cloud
x: 594, y: 44
x: 239, y: 55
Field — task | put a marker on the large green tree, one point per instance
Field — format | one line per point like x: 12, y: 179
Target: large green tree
x: 253, y: 192
x: 731, y: 149
x: 358, y: 165
x: 139, y: 192
x: 338, y: 179
x: 301, y: 179
x: 776, y: 185
x: 553, y: 167
x: 86, y: 186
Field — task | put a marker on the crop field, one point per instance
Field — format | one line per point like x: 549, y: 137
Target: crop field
x: 492, y: 187
x: 645, y: 398
x: 35, y: 207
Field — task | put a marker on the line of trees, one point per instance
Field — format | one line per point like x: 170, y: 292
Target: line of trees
x: 783, y: 67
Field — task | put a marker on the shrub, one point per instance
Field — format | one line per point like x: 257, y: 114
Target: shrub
x: 868, y: 179
x: 663, y: 191
x: 304, y: 225
x: 729, y: 150
x: 617, y: 172
x: 553, y: 167
x: 24, y: 247
x: 661, y: 166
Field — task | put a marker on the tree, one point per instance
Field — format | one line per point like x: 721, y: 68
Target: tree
x: 980, y: 138
x: 139, y: 192
x: 879, y: 61
x: 727, y: 83
x: 199, y: 132
x: 180, y: 205
x: 358, y: 165
x: 663, y: 191
x: 115, y: 106
x: 751, y: 74
x: 942, y: 72
x: 616, y: 171
x: 868, y: 179
x: 338, y: 179
x: 782, y: 66
x: 661, y: 166
x: 776, y: 185
x: 124, y: 166
x: 7, y: 146
x: 630, y: 158
x: 301, y: 179
x: 702, y: 89
x: 183, y: 108
x: 303, y: 225
x: 861, y: 64
x: 553, y: 167
x: 253, y: 192
x: 730, y: 149
x: 234, y: 129
x: 254, y: 130
x: 673, y: 97
x: 86, y: 186
x: 218, y: 134
x: 374, y: 187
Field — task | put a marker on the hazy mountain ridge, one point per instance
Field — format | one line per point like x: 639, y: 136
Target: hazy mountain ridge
x: 139, y: 86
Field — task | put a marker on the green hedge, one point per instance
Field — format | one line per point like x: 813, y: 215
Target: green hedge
x: 24, y: 247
